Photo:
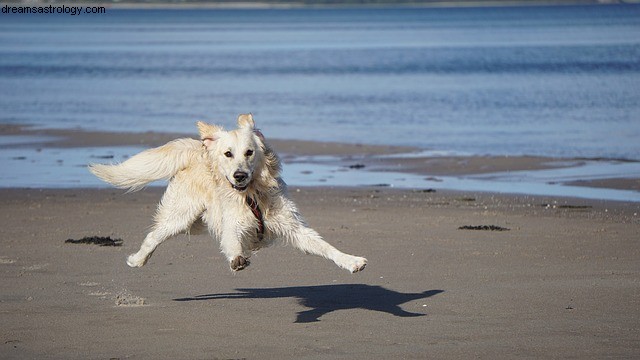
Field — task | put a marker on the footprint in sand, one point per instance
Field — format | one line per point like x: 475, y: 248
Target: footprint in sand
x: 102, y: 294
x: 122, y: 298
x: 6, y: 261
x: 126, y: 299
x: 36, y: 267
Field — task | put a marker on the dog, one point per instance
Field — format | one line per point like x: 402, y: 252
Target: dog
x: 229, y: 181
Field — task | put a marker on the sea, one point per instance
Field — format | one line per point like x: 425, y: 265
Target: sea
x: 552, y: 81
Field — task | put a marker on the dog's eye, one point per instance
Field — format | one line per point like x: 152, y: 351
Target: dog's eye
x: 228, y: 154
x: 248, y: 153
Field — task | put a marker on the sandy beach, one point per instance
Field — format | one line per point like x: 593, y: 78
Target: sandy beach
x: 561, y: 280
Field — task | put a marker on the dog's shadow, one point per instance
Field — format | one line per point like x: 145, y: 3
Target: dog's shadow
x: 323, y: 299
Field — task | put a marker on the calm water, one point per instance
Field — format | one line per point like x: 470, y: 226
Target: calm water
x: 554, y: 81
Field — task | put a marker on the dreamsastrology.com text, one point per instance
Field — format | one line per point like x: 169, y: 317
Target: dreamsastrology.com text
x: 68, y: 10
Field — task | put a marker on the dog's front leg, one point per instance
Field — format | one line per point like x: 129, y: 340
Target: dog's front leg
x: 231, y: 247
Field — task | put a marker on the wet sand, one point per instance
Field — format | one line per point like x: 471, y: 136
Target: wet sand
x: 372, y: 157
x: 612, y: 183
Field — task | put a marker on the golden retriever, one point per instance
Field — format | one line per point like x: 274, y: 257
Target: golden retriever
x: 230, y: 180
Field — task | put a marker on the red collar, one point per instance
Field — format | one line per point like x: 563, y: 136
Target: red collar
x: 255, y: 209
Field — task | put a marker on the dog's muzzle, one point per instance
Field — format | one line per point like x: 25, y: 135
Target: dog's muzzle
x: 241, y: 181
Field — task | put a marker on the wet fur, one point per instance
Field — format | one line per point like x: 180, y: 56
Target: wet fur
x: 208, y: 185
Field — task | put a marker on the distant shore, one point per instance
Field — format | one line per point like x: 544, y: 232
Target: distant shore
x: 266, y: 4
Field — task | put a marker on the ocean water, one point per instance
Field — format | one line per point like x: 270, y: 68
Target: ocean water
x: 552, y: 81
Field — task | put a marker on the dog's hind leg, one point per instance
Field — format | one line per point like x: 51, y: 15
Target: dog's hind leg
x: 310, y: 242
x: 149, y: 245
x: 290, y: 227
x: 176, y: 212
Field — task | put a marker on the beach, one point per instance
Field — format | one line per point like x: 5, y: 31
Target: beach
x: 483, y: 159
x: 451, y: 275
x: 562, y: 282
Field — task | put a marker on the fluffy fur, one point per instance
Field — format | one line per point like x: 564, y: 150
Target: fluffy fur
x: 210, y: 182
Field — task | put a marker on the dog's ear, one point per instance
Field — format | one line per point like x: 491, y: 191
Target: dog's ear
x: 246, y: 121
x: 259, y: 134
x: 208, y: 133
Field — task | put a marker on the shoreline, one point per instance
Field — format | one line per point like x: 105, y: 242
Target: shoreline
x: 335, y: 164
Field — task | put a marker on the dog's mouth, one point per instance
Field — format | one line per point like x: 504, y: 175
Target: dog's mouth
x: 239, y: 188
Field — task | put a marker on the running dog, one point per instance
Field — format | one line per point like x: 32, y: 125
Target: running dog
x: 230, y: 181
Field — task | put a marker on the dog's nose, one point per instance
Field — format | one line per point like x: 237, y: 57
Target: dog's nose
x: 240, y: 176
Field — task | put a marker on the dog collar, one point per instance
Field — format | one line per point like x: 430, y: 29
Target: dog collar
x: 255, y: 209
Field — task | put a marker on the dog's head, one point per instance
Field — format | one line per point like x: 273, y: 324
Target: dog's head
x: 239, y: 156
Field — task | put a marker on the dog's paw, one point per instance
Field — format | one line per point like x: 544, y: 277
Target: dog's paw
x: 135, y: 260
x: 239, y: 263
x: 357, y: 264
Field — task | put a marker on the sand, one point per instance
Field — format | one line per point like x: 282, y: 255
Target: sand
x: 562, y: 282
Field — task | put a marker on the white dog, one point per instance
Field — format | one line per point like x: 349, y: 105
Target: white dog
x: 230, y: 180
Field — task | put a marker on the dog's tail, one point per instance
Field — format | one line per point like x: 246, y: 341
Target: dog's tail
x: 150, y: 165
